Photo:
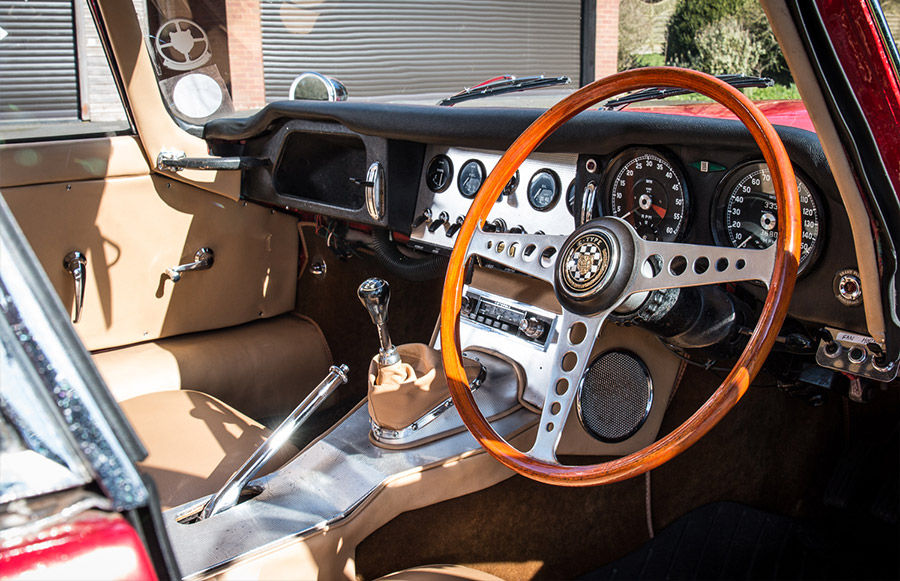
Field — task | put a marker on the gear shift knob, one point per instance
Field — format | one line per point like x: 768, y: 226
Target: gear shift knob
x: 375, y: 294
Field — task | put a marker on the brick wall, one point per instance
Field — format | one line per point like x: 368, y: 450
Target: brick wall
x: 245, y: 54
x: 607, y: 43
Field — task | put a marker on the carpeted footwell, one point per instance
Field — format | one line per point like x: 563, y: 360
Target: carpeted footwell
x: 725, y: 540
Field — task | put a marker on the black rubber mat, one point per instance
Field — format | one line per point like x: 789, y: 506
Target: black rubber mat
x: 732, y: 541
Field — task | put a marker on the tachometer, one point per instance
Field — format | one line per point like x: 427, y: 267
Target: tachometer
x: 747, y: 214
x: 648, y: 191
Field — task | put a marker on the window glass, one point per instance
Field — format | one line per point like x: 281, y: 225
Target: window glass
x: 386, y: 50
x: 55, y: 79
x: 222, y: 59
x: 719, y: 37
x: 891, y: 11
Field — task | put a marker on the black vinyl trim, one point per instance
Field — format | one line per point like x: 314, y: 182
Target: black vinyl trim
x: 497, y: 128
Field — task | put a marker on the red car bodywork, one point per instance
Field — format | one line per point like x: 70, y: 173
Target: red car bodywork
x: 95, y: 545
x: 782, y: 112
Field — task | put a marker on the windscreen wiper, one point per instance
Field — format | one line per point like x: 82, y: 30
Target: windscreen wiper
x: 503, y: 84
x: 736, y: 81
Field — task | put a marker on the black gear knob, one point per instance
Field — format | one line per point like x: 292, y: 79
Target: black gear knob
x: 375, y: 294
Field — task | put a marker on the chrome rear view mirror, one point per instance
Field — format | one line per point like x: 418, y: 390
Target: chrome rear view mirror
x: 312, y: 86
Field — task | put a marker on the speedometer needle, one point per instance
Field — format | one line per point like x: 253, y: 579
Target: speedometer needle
x: 744, y: 243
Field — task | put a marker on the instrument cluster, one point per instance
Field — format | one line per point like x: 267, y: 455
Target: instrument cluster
x: 645, y: 186
x: 538, y: 198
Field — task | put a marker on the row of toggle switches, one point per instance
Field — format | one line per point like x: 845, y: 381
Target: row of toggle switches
x: 443, y: 219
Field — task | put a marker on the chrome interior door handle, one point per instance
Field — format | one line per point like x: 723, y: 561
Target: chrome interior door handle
x: 203, y: 260
x: 75, y: 264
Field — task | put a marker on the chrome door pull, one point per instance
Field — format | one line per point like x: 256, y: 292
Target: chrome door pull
x: 203, y: 260
x: 75, y: 264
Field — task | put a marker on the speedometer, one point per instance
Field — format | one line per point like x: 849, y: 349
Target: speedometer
x: 746, y: 213
x: 648, y: 191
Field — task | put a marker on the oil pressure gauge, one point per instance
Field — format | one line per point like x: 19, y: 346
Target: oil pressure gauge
x: 543, y: 190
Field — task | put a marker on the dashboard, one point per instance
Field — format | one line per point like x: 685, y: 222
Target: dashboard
x: 645, y: 186
x: 414, y: 171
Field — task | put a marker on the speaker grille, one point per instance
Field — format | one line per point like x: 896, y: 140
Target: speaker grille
x: 614, y: 396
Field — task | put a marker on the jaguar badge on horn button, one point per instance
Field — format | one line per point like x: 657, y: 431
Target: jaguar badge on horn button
x: 586, y: 263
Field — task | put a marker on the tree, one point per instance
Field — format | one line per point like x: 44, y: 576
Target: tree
x: 724, y: 36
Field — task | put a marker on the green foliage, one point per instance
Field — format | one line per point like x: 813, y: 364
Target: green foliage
x: 724, y: 36
x: 774, y: 93
x: 689, y: 17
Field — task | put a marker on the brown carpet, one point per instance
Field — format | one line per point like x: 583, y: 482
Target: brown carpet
x: 772, y: 451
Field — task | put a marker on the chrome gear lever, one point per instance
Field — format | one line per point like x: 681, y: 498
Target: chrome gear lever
x: 375, y: 294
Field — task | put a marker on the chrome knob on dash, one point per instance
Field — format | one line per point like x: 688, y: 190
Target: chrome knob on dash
x: 532, y: 328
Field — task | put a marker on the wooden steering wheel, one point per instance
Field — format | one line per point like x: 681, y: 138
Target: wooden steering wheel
x: 594, y: 269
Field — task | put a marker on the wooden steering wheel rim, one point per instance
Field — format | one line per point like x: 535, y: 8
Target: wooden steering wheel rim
x: 764, y: 334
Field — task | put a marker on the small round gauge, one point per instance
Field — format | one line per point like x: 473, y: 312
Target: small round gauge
x: 570, y: 198
x: 439, y: 173
x: 471, y: 176
x: 746, y: 214
x: 543, y: 190
x: 649, y: 192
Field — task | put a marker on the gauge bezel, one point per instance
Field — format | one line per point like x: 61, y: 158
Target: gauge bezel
x: 556, y: 190
x: 571, y: 187
x: 604, y: 204
x: 451, y: 174
x: 731, y: 179
x: 459, y: 180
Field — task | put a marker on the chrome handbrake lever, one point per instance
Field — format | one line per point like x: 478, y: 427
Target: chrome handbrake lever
x: 230, y: 493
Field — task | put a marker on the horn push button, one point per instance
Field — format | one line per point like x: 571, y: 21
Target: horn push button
x: 595, y: 266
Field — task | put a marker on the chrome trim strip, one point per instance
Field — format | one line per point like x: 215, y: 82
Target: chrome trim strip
x: 413, y: 432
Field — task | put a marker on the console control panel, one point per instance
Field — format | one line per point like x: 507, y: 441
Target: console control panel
x: 854, y: 354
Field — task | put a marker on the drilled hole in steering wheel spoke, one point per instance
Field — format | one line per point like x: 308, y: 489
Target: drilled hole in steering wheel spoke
x: 652, y: 266
x: 569, y: 361
x: 577, y: 333
x: 677, y: 265
x: 547, y: 257
x: 701, y: 265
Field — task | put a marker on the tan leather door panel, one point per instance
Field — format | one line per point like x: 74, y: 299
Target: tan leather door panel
x: 131, y: 229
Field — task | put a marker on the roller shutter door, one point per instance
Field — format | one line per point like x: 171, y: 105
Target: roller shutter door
x: 38, y: 76
x: 414, y: 47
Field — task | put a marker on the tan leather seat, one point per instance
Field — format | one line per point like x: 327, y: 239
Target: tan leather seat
x: 440, y: 573
x: 195, y: 442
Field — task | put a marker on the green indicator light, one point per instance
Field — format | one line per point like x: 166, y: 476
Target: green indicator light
x: 707, y: 166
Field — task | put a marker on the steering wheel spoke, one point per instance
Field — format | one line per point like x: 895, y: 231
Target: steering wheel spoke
x: 662, y: 265
x: 531, y: 254
x: 577, y: 336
